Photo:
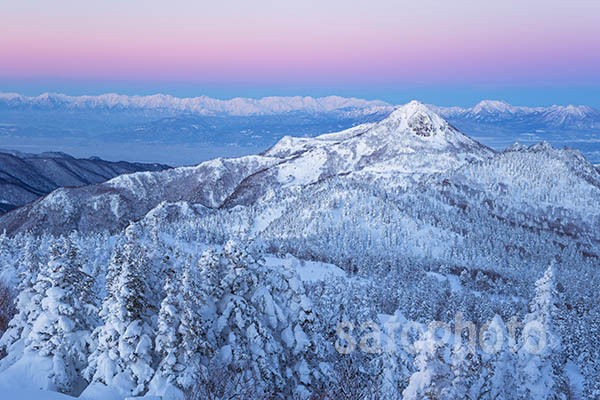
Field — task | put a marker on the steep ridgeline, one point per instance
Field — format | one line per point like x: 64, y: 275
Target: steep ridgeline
x: 410, y: 144
x: 26, y: 177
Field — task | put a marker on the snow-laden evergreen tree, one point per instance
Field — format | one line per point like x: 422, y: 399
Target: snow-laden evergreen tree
x: 539, y: 356
x: 20, y: 325
x: 392, y: 376
x: 123, y: 358
x: 185, y: 339
x: 498, y: 371
x: 61, y: 329
x: 246, y: 346
x: 395, y: 364
x: 5, y: 250
x: 281, y: 299
x: 465, y: 366
x: 198, y: 313
x: 167, y: 336
x: 169, y: 341
x: 248, y: 327
x: 433, y: 376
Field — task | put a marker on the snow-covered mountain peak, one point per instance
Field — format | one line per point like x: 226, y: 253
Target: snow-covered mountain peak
x: 541, y: 146
x: 411, y: 109
x: 411, y: 143
x: 413, y: 127
x: 416, y: 118
x: 493, y: 106
x: 417, y: 127
x: 516, y: 146
x: 575, y: 110
x: 570, y: 111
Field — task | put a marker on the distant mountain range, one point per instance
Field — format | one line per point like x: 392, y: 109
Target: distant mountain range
x: 485, y: 111
x: 198, y: 105
x: 185, y: 131
x: 25, y: 177
x: 491, y: 111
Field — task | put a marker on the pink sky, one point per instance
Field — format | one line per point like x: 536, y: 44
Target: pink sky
x: 261, y: 41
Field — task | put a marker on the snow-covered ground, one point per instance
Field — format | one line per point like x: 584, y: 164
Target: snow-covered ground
x: 308, y: 271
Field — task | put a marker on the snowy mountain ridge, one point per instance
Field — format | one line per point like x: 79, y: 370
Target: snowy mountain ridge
x: 500, y: 107
x: 569, y: 116
x: 413, y: 142
x: 271, y: 105
x: 202, y: 105
x: 198, y: 129
x: 25, y: 177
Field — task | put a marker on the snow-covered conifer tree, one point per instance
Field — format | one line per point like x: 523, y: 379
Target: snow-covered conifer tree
x: 123, y: 358
x: 168, y: 341
x: 198, y: 305
x: 28, y: 268
x: 539, y: 365
x: 433, y: 376
x: 465, y: 365
x: 62, y: 327
x: 498, y: 372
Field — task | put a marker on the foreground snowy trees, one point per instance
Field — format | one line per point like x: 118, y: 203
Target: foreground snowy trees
x: 533, y: 368
x: 56, y: 314
x: 237, y: 326
x: 216, y: 322
x: 221, y: 323
x: 181, y: 340
x: 67, y: 316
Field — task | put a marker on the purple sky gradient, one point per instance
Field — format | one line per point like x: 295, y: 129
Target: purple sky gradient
x: 324, y: 45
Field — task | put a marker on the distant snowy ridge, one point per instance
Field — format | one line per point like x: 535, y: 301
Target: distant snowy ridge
x: 499, y: 107
x: 494, y: 111
x: 201, y: 128
x: 272, y: 105
x: 201, y: 105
